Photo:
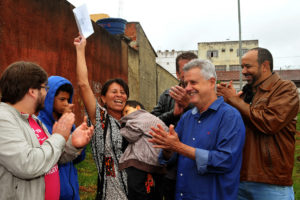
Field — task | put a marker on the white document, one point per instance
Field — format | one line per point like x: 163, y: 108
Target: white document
x: 83, y: 20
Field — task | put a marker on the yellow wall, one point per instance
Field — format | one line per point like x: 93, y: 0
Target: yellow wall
x: 224, y: 58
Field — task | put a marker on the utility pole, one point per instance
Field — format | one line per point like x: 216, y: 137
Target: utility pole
x: 240, y: 45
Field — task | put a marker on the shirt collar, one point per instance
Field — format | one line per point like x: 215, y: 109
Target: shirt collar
x: 214, y: 106
x: 267, y: 84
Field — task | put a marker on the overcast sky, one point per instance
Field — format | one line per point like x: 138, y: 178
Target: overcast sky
x: 180, y: 25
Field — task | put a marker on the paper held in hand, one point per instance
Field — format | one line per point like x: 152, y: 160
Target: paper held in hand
x: 83, y: 21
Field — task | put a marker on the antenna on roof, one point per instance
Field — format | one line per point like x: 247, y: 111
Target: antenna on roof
x: 120, y: 10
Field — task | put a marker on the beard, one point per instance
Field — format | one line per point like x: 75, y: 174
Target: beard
x: 39, y: 103
x: 255, y: 77
x: 248, y: 93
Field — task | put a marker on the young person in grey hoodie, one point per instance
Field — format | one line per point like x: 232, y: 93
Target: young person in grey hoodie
x: 140, y: 159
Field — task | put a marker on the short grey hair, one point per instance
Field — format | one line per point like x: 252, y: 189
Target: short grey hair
x: 207, y: 68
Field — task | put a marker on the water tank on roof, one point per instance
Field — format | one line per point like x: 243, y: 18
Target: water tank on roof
x: 113, y: 25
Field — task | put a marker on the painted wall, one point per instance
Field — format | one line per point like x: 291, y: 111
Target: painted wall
x: 42, y: 31
x: 227, y: 51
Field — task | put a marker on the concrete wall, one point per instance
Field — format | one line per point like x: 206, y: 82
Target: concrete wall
x: 164, y: 80
x: 146, y: 79
x: 147, y: 69
x: 134, y: 74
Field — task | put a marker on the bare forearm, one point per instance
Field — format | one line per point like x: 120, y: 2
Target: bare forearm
x: 185, y: 150
x: 81, y: 69
x: 84, y: 86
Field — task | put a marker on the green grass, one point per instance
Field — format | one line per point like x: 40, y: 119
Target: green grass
x: 296, y: 171
x: 87, y: 177
x: 87, y: 172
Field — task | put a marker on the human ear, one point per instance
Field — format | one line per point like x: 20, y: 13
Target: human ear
x: 266, y: 66
x: 31, y: 92
x: 212, y: 81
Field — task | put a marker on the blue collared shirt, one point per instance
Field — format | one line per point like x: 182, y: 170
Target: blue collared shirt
x: 218, y: 135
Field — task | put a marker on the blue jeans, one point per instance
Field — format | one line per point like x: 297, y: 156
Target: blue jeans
x: 262, y: 191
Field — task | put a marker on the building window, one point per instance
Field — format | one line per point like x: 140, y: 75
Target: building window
x: 243, y: 52
x: 223, y: 50
x: 212, y: 53
x: 234, y: 67
x: 220, y: 67
x: 231, y: 49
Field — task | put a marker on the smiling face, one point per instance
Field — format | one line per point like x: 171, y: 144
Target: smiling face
x: 250, y: 67
x: 201, y: 91
x: 115, y: 98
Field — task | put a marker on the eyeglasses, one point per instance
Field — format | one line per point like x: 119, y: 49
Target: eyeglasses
x: 46, y: 87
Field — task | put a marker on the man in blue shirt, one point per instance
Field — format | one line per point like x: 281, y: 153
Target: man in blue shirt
x: 207, y: 141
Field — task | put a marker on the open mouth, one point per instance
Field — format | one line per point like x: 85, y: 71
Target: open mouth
x: 192, y: 93
x: 118, y: 102
x: 248, y: 77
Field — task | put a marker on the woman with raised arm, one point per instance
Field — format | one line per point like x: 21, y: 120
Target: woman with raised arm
x: 107, y: 142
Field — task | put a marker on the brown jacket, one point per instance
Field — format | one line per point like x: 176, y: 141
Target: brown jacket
x: 270, y: 121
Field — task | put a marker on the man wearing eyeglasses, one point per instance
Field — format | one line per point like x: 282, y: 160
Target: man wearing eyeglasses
x: 28, y: 153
